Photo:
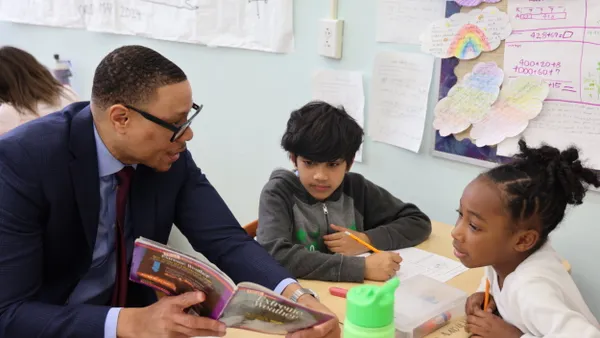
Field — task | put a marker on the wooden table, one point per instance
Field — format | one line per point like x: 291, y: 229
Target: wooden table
x: 440, y: 242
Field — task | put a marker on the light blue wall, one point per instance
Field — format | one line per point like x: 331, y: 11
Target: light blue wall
x: 248, y: 96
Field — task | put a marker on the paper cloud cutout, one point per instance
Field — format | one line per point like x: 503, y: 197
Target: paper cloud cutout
x: 473, y: 3
x: 466, y: 35
x: 519, y: 102
x: 469, y: 100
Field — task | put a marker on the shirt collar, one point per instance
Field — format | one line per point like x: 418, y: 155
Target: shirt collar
x: 107, y: 163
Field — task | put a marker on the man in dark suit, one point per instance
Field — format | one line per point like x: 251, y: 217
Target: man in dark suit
x: 78, y: 186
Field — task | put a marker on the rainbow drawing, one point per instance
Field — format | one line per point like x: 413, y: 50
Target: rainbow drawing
x: 466, y: 35
x: 469, y: 42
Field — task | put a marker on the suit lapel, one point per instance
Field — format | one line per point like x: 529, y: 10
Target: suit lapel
x: 143, y: 202
x: 84, y: 172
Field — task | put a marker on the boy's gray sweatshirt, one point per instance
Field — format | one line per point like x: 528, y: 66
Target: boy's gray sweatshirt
x: 291, y: 224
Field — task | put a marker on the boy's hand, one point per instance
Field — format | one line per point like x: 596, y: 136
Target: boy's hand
x: 341, y: 243
x: 475, y: 302
x: 484, y: 324
x: 382, y: 266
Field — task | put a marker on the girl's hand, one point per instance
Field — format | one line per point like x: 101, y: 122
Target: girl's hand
x: 475, y: 301
x: 483, y: 324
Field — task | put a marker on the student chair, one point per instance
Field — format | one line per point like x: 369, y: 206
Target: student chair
x: 251, y: 228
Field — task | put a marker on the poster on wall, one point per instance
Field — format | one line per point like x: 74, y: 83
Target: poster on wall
x: 264, y: 25
x: 559, y: 41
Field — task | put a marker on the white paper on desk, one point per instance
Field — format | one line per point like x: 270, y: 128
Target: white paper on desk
x: 341, y: 88
x: 399, y: 95
x: 420, y: 262
x: 402, y: 21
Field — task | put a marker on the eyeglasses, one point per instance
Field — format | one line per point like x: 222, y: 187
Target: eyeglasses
x: 177, y: 130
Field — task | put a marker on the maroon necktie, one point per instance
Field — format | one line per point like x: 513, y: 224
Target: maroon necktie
x: 120, y: 289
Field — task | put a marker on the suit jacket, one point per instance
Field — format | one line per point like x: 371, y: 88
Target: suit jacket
x: 49, y: 207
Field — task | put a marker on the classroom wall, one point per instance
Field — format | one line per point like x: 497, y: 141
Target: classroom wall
x: 247, y: 98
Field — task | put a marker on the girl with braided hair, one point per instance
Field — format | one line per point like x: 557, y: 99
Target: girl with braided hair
x: 504, y: 219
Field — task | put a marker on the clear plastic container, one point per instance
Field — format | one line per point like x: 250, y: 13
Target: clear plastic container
x: 423, y: 305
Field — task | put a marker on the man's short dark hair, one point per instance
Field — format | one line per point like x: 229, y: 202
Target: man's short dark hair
x: 321, y: 132
x: 131, y: 75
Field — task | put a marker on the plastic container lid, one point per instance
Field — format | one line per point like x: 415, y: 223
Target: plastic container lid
x: 372, y: 306
x: 424, y: 298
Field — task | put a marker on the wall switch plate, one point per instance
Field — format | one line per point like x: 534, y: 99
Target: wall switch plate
x: 331, y: 35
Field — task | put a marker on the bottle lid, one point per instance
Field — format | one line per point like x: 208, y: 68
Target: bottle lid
x: 372, y: 306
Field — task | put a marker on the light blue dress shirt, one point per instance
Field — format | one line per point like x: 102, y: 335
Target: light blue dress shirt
x: 101, y: 275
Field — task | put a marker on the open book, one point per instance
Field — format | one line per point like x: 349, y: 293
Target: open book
x: 246, y: 306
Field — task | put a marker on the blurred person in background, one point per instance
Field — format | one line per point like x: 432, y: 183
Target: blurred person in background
x: 27, y: 89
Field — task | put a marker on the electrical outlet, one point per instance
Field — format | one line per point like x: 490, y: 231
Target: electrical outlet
x: 331, y: 34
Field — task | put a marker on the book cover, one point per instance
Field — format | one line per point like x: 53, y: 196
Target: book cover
x: 173, y: 273
x: 246, y: 306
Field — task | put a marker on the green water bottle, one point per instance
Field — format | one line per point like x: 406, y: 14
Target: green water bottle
x: 370, y: 311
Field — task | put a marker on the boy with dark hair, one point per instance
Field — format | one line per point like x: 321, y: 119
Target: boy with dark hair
x: 304, y: 214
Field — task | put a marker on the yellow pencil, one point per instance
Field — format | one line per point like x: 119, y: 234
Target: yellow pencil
x: 486, y: 299
x: 367, y: 245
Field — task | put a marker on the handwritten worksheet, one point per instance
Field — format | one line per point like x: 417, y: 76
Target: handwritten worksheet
x: 401, y: 21
x: 250, y: 24
x: 470, y: 100
x: 558, y: 40
x: 341, y: 88
x: 466, y: 35
x: 520, y: 101
x: 399, y: 95
x: 420, y: 262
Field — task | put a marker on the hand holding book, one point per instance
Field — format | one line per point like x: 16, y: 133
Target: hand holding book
x: 168, y: 318
x: 246, y: 305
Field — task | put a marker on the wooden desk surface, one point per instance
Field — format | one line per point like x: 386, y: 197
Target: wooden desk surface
x: 440, y: 242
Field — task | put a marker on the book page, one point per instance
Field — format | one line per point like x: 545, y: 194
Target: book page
x: 256, y: 308
x: 173, y: 273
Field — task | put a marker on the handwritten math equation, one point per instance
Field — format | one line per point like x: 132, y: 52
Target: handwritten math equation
x: 559, y: 43
x: 541, y: 13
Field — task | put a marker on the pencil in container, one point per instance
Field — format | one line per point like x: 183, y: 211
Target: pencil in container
x: 433, y: 324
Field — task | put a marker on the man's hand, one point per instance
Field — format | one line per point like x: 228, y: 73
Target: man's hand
x: 382, y: 266
x: 484, y: 324
x: 167, y: 318
x: 330, y: 329
x: 341, y: 243
x: 475, y: 302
